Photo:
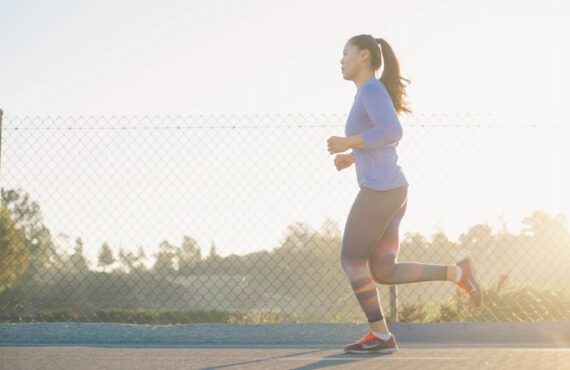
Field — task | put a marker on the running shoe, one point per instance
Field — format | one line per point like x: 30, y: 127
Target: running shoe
x: 372, y: 344
x: 468, y: 283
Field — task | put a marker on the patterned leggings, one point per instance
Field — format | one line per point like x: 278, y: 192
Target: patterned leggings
x: 370, y: 247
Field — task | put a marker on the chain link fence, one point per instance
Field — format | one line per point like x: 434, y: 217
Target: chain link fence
x: 239, y: 218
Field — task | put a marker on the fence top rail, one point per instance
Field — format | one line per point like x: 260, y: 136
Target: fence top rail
x: 270, y: 121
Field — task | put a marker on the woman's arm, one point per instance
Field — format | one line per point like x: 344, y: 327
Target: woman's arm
x: 387, y: 128
x: 355, y: 141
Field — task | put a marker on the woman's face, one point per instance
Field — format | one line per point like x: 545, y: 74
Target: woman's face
x: 351, y: 61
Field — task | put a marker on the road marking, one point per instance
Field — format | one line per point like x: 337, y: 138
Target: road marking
x: 364, y: 357
x: 535, y: 346
x: 505, y: 346
x: 535, y: 349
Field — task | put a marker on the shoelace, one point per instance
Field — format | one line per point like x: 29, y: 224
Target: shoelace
x: 366, y: 338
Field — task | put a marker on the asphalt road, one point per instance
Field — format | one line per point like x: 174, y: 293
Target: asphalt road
x: 77, y: 346
x: 409, y: 356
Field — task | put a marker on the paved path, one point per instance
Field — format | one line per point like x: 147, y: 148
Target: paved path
x: 306, y: 357
x: 77, y: 346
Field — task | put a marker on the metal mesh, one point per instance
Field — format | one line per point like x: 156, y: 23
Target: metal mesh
x: 240, y: 218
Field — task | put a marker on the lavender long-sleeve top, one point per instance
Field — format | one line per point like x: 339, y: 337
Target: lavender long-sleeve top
x: 373, y: 115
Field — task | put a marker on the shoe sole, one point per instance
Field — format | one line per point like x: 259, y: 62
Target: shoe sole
x: 477, y: 295
x: 381, y: 351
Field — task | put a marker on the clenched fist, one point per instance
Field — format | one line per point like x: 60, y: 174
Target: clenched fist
x: 338, y: 144
x: 342, y: 161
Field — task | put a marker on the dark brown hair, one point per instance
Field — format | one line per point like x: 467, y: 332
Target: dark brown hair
x: 391, y: 75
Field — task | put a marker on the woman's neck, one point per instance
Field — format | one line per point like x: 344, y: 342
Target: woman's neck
x: 360, y: 80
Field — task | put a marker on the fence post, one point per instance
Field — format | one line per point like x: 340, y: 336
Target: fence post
x: 1, y: 113
x: 393, y: 303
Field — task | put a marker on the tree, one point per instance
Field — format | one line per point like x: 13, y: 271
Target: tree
x: 14, y: 256
x: 326, y: 242
x: 330, y: 228
x: 164, y: 264
x: 105, y: 257
x: 128, y: 259
x: 189, y: 255
x: 213, y: 262
x: 297, y: 237
x: 415, y: 240
x: 141, y: 257
x: 213, y: 252
x: 78, y: 263
x: 481, y: 233
x: 27, y: 216
x: 540, y: 224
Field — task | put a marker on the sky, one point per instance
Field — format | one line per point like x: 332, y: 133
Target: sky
x: 251, y: 58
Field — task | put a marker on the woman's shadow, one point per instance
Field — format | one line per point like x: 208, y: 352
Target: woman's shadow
x: 339, y: 359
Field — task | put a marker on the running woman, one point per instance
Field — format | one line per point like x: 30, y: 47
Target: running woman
x: 370, y: 241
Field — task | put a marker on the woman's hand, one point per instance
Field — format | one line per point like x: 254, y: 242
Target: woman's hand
x: 337, y: 144
x: 342, y: 161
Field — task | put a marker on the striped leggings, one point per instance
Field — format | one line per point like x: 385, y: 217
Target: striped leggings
x: 370, y: 246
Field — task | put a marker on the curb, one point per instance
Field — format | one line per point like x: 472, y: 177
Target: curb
x: 547, y: 333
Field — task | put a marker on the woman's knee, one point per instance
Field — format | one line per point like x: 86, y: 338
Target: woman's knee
x: 353, y: 266
x: 384, y: 268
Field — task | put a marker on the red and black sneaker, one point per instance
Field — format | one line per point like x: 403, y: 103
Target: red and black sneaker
x: 468, y: 283
x: 372, y: 344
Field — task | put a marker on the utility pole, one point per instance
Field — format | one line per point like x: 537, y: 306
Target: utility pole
x: 394, y: 303
x: 1, y: 113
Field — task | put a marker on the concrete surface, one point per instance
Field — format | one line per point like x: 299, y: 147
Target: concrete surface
x: 557, y: 333
x: 281, y: 346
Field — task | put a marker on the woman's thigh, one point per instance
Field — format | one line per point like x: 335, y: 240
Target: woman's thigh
x: 389, y: 243
x: 368, y: 220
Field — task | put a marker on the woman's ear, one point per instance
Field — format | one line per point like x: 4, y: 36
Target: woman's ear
x: 364, y: 55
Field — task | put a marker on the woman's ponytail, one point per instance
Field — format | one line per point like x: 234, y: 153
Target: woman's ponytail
x: 391, y: 77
